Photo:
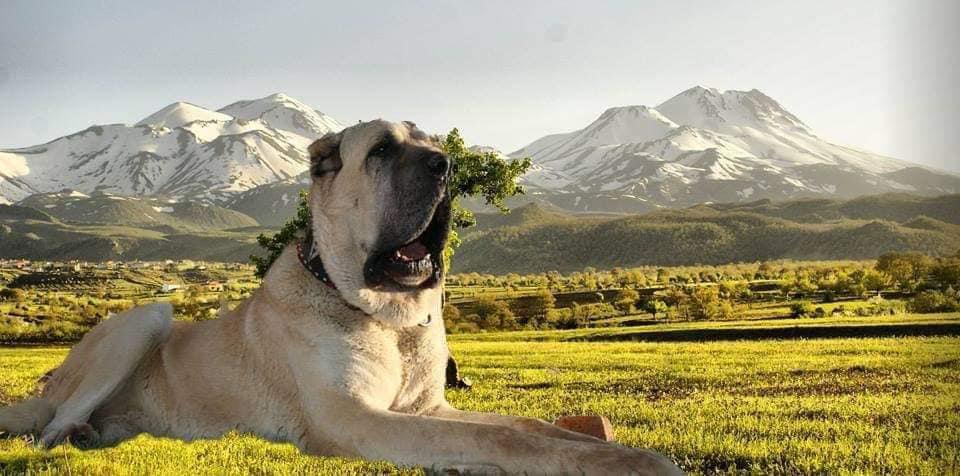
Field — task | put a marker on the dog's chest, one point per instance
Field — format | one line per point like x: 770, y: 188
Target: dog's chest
x: 421, y: 366
x: 400, y: 370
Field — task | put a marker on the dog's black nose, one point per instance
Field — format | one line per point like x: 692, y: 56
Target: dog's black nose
x: 438, y: 164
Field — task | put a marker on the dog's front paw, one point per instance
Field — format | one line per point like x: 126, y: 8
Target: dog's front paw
x: 615, y: 459
x: 81, y: 435
x: 469, y: 470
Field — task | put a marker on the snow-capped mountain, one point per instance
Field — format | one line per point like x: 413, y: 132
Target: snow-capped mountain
x: 285, y: 113
x: 182, y: 150
x: 704, y: 145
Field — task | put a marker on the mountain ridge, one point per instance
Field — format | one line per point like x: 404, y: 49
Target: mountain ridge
x: 707, y: 145
x: 181, y: 150
x: 700, y: 146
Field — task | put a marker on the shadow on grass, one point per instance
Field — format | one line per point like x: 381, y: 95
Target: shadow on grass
x: 793, y: 332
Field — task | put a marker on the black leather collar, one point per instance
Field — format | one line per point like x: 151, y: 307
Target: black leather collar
x: 309, y: 257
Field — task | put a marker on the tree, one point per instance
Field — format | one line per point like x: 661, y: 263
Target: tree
x: 451, y: 317
x: 542, y: 303
x: 626, y: 300
x: 801, y: 309
x: 274, y: 244
x: 875, y: 280
x: 907, y: 270
x: 933, y: 301
x: 494, y: 315
x: 946, y: 273
x: 654, y: 307
x: 858, y: 285
x: 704, y: 303
x: 735, y: 290
x: 192, y: 305
x: 481, y: 174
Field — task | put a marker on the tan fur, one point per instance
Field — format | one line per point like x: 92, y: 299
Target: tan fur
x: 26, y: 417
x: 344, y: 372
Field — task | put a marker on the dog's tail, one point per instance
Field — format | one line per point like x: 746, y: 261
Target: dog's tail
x: 27, y: 417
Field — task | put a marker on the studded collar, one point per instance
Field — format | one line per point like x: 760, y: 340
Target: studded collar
x: 309, y: 257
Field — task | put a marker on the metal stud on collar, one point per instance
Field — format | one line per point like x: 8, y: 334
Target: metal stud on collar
x: 314, y: 266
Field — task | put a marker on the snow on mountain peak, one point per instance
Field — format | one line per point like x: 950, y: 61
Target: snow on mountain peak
x: 181, y: 113
x: 285, y: 113
x: 180, y: 150
x: 617, y: 125
x: 700, y: 145
x: 710, y: 108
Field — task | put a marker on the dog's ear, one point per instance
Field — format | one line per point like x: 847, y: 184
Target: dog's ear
x: 325, y: 154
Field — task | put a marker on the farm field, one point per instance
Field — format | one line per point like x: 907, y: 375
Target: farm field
x: 716, y: 403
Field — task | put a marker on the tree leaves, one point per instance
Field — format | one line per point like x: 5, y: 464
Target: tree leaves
x: 275, y: 243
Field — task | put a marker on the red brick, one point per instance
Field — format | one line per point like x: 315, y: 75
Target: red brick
x: 593, y: 425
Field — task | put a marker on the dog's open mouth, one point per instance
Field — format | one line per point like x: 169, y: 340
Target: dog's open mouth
x: 417, y: 263
x: 410, y: 263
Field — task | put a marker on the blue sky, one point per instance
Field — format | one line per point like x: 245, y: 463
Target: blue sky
x: 879, y: 75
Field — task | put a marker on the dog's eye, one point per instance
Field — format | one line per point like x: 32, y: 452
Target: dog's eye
x: 382, y: 148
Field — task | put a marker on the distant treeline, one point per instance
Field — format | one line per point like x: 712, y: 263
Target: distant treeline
x: 38, y: 308
x: 910, y: 281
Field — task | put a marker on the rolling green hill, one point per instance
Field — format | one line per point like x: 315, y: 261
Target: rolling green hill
x: 712, y: 234
x: 893, y: 207
x: 532, y: 238
x: 109, y: 209
x: 16, y: 212
x: 39, y: 240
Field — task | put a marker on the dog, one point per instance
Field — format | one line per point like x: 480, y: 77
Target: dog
x: 341, y: 351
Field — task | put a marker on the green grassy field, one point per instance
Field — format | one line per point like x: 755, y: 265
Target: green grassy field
x: 724, y: 404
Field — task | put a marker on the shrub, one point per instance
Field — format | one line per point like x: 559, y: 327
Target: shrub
x: 933, y: 301
x: 451, y: 317
x: 801, y: 309
x: 464, y: 327
x: 542, y: 303
x: 494, y: 315
x: 48, y: 332
x: 8, y: 294
x: 556, y: 318
x: 879, y: 306
x: 626, y: 300
x: 655, y: 307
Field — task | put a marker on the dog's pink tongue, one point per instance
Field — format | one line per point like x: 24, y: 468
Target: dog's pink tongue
x: 414, y: 251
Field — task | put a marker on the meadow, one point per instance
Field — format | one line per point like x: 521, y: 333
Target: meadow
x: 717, y: 402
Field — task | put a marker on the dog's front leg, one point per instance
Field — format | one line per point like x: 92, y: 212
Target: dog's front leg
x: 442, y: 444
x: 530, y: 425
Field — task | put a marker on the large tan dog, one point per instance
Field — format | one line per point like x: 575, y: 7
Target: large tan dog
x: 350, y: 364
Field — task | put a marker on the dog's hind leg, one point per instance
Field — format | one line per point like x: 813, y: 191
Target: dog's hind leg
x: 98, y: 367
x: 26, y: 417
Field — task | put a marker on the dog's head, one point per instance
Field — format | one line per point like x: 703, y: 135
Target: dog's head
x: 381, y: 215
